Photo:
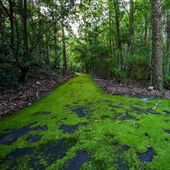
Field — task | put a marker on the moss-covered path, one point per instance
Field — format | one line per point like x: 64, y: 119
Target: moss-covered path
x: 79, y: 127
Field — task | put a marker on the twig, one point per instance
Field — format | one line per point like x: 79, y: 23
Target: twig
x: 156, y: 105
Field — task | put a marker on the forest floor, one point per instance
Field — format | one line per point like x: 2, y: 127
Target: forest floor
x: 34, y: 88
x: 78, y: 126
x: 130, y: 88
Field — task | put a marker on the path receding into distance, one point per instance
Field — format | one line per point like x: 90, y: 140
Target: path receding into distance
x: 78, y: 126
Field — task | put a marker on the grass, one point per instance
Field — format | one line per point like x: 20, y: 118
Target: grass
x: 105, y: 124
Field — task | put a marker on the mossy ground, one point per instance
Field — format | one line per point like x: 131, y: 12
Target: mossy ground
x: 111, y: 131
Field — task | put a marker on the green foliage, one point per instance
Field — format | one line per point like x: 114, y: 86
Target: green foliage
x: 167, y: 81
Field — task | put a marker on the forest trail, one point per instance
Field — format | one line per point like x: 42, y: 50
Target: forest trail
x: 79, y: 126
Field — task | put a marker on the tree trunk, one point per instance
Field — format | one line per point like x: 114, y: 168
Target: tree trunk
x: 26, y: 53
x: 55, y: 35
x: 47, y: 51
x: 168, y: 40
x: 131, y: 25
x: 24, y: 68
x: 146, y: 30
x: 56, y: 62
x: 110, y: 6
x: 157, y: 73
x: 2, y: 31
x: 118, y: 38
x: 11, y: 17
x: 64, y: 48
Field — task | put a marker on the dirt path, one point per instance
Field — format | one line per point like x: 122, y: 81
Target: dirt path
x: 78, y: 126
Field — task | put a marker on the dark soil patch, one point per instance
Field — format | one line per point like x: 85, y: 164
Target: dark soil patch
x: 166, y: 111
x: 38, y: 157
x: 75, y: 102
x: 122, y: 165
x: 113, y: 106
x: 167, y: 131
x: 127, y: 116
x: 40, y: 127
x: 147, y: 156
x: 144, y: 111
x: 33, y: 138
x: 11, y: 159
x: 73, y: 128
x: 77, y: 161
x: 147, y: 135
x: 17, y: 133
x: 69, y: 129
x: 42, y: 113
x: 82, y: 111
x: 105, y: 116
x: 115, y: 143
x: 67, y: 105
x: 166, y: 139
x: 54, y: 117
x: 139, y: 110
x: 53, y: 151
x: 125, y: 147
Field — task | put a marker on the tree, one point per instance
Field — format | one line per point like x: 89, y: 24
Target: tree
x: 118, y: 35
x: 157, y: 74
x: 64, y: 48
x: 131, y: 25
x: 168, y: 40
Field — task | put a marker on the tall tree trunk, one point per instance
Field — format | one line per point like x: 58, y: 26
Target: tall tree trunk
x: 168, y: 40
x: 64, y: 48
x: 118, y: 37
x: 10, y: 14
x: 47, y: 51
x: 157, y: 73
x: 25, y: 29
x: 11, y: 17
x: 131, y: 25
x: 56, y: 62
x: 146, y: 30
x: 25, y: 67
x: 55, y: 35
x: 110, y: 6
x: 2, y: 31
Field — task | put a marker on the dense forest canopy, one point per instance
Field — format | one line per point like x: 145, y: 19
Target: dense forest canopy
x: 126, y: 39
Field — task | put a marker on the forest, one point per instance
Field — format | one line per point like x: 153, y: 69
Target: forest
x: 108, y: 38
x: 85, y: 84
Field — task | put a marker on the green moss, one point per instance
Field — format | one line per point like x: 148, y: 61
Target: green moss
x: 106, y: 128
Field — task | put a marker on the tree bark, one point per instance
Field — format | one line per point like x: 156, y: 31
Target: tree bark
x: 118, y: 37
x: 56, y: 62
x: 157, y: 73
x: 11, y: 17
x: 131, y: 25
x: 55, y: 35
x: 110, y: 6
x: 64, y: 48
x: 2, y: 31
x: 24, y: 67
x: 146, y: 30
x: 168, y: 40
x: 25, y: 29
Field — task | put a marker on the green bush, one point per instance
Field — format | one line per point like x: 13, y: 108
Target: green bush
x: 167, y: 81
